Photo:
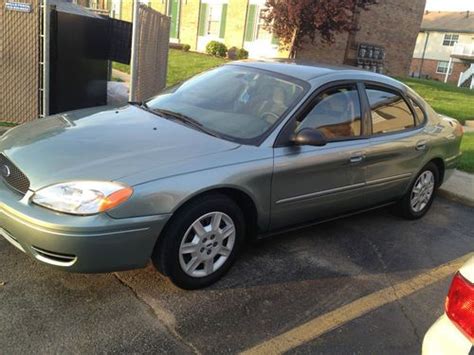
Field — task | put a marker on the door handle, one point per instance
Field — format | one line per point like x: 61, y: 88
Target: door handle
x: 421, y: 145
x: 357, y: 158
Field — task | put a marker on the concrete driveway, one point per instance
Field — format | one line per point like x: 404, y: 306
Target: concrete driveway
x: 371, y: 283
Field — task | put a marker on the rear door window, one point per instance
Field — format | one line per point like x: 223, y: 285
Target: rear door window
x: 390, y: 112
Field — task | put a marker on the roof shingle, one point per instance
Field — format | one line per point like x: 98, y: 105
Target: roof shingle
x: 448, y: 22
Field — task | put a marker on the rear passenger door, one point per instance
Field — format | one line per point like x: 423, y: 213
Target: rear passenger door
x: 397, y: 144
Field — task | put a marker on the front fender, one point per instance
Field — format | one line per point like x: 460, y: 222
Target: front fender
x: 164, y: 196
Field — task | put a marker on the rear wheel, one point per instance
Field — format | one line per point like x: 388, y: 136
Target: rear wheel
x: 417, y: 201
x: 201, y: 243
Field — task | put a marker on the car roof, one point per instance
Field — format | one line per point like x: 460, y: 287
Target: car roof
x: 303, y: 70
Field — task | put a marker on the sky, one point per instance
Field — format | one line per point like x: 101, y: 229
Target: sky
x: 450, y: 5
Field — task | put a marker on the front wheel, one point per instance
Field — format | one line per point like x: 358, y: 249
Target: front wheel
x: 417, y: 201
x: 201, y: 243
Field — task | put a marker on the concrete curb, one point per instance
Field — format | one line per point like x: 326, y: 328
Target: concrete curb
x: 468, y: 129
x: 459, y: 187
x: 3, y: 129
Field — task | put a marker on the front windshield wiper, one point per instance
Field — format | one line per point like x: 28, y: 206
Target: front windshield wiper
x: 142, y: 104
x: 185, y: 119
x: 175, y: 115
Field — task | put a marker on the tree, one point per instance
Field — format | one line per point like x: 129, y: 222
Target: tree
x: 294, y: 21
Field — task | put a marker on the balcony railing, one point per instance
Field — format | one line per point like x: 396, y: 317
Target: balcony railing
x: 463, y: 50
x: 465, y: 76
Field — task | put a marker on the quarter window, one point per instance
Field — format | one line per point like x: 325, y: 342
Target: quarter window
x: 419, y: 113
x: 390, y: 112
x: 450, y: 39
x: 336, y: 113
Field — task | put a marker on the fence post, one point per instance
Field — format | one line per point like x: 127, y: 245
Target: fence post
x: 133, y: 59
x: 46, y: 58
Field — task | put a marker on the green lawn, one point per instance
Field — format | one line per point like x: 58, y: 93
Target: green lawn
x: 182, y: 65
x: 467, y: 147
x: 7, y: 124
x: 444, y: 98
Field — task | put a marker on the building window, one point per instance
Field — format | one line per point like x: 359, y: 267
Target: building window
x: 450, y: 39
x: 261, y: 31
x: 116, y: 7
x: 173, y: 10
x: 442, y: 68
x: 212, y: 20
x: 255, y: 28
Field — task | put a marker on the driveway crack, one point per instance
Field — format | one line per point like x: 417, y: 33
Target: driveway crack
x: 163, y: 316
x: 391, y: 285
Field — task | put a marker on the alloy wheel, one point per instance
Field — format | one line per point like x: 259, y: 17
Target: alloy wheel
x: 422, y: 191
x: 207, y: 244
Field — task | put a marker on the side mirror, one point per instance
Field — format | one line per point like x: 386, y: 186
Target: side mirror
x: 310, y: 136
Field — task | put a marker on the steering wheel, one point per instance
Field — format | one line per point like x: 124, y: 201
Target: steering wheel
x: 267, y: 116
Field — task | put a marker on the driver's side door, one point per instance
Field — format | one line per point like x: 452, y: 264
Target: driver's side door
x: 312, y: 182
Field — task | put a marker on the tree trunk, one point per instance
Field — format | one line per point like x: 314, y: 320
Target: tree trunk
x: 292, y: 53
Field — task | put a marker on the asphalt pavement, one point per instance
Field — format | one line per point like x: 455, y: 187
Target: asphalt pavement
x: 280, y: 284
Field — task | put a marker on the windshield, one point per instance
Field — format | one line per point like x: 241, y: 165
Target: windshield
x: 233, y: 101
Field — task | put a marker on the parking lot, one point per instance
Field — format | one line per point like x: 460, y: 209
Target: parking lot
x: 371, y: 283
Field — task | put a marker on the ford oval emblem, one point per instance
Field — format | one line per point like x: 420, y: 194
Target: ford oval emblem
x: 5, y: 171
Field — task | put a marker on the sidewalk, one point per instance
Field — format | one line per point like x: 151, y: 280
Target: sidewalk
x: 121, y: 75
x: 459, y: 187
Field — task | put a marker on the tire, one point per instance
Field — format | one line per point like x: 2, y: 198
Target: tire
x: 427, y: 180
x: 192, y: 251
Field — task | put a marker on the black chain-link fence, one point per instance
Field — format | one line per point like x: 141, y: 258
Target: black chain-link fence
x: 20, y: 61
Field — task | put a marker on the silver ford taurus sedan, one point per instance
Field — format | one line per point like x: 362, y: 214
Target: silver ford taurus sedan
x: 241, y: 151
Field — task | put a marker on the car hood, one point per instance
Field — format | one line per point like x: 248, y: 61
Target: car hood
x: 94, y: 144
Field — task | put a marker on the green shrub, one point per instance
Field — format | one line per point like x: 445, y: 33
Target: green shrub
x: 242, y: 53
x: 186, y: 47
x: 232, y: 53
x: 216, y: 48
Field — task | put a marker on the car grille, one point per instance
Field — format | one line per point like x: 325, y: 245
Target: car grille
x: 12, y: 176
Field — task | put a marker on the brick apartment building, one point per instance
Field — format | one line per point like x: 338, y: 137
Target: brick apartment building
x: 391, y: 25
x: 445, y: 47
x: 385, y: 40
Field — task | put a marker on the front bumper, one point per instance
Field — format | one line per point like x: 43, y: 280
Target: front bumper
x: 97, y: 243
x: 444, y: 338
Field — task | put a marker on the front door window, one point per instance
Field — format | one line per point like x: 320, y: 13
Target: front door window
x: 336, y: 113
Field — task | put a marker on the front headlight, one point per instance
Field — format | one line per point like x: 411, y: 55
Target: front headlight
x: 83, y: 197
